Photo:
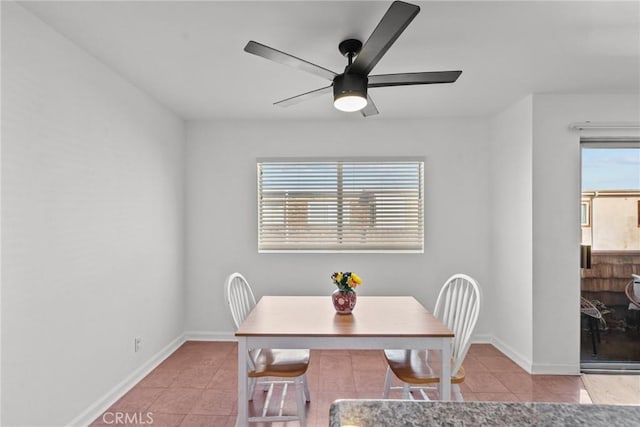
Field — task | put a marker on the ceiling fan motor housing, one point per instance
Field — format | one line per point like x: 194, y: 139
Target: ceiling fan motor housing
x: 350, y: 85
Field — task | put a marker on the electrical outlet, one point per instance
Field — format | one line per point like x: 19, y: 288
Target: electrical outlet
x: 137, y: 344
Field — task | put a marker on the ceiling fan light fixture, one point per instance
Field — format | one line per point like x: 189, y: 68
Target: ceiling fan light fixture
x: 350, y: 103
x: 350, y: 92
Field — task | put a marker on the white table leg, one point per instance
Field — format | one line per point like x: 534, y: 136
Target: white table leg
x: 243, y: 399
x: 445, y: 383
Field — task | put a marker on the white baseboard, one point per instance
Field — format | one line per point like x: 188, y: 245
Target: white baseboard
x: 508, y: 351
x: 209, y: 336
x: 554, y: 369
x: 482, y: 339
x: 102, y: 404
x: 524, y: 362
x: 535, y: 368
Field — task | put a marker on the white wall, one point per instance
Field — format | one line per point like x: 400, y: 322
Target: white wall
x: 92, y: 225
x: 511, y: 231
x: 535, y: 231
x: 222, y: 217
x: 556, y: 220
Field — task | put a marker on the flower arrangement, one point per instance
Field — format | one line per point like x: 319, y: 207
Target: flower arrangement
x: 346, y: 282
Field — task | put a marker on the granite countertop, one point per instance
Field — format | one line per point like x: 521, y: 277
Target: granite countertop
x: 406, y: 413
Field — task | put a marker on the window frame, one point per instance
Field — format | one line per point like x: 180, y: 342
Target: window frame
x: 339, y: 214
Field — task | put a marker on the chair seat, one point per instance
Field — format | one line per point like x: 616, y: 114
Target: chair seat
x: 412, y: 366
x: 280, y: 363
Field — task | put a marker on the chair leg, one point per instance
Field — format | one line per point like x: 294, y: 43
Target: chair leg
x: 455, y: 388
x: 252, y: 387
x: 300, y: 400
x: 387, y: 383
x: 593, y: 327
x: 406, y: 391
x: 307, y: 393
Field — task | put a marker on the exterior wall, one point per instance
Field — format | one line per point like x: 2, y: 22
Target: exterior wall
x: 615, y: 223
x: 609, y: 274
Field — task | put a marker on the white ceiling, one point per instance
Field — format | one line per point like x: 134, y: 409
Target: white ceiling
x: 189, y: 55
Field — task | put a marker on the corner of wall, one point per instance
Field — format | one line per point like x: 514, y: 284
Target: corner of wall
x: 511, y: 229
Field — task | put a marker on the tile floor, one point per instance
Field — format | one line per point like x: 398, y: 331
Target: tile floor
x: 197, y: 384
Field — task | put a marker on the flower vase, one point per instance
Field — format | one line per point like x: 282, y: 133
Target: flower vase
x: 343, y: 302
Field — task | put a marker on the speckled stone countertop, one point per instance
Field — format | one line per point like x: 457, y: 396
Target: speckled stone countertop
x: 406, y: 413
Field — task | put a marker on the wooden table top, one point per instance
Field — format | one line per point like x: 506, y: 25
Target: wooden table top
x: 314, y: 316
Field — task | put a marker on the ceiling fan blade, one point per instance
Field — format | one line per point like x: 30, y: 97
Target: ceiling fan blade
x: 303, y: 97
x: 392, y: 24
x: 286, y: 59
x: 404, y: 79
x: 370, y: 109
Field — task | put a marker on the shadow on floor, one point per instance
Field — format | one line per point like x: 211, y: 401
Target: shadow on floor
x: 617, y: 344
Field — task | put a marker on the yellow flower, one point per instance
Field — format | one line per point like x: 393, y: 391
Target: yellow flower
x: 346, y: 282
x: 353, y: 280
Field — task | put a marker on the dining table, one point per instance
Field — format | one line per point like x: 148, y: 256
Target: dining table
x: 376, y: 322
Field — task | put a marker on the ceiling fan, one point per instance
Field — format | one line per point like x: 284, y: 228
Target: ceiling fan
x: 350, y: 87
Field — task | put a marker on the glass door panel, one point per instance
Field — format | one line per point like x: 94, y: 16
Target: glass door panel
x: 610, y: 222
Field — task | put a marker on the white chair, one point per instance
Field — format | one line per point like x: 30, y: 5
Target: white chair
x: 457, y: 306
x: 269, y: 367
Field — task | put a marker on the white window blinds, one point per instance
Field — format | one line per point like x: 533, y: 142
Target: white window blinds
x: 340, y: 205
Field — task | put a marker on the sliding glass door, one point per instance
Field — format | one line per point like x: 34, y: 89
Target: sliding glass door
x: 610, y: 222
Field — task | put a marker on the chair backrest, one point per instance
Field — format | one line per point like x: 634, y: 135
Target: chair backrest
x: 588, y: 308
x: 457, y: 306
x: 239, y: 297
x: 632, y: 290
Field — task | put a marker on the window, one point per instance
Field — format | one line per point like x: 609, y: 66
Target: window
x: 340, y: 205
